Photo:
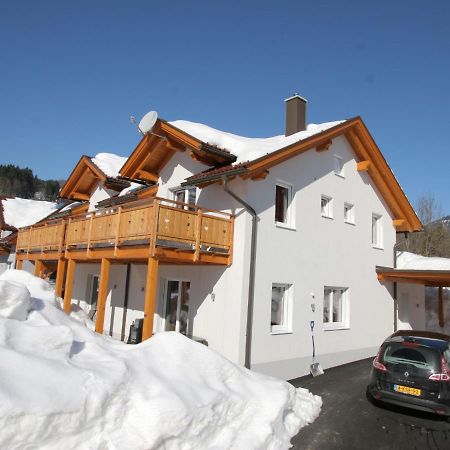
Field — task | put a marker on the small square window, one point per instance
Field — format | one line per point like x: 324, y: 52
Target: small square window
x: 326, y: 206
x: 283, y: 205
x: 338, y: 166
x: 349, y: 213
x: 185, y: 195
x: 335, y: 308
x: 377, y: 231
x: 281, y: 305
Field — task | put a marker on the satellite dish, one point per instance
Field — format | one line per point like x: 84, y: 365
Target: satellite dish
x: 148, y: 122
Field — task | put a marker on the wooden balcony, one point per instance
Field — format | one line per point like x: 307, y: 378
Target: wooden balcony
x: 171, y: 231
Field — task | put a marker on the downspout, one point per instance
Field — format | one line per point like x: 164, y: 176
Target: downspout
x: 251, y: 280
x: 406, y: 234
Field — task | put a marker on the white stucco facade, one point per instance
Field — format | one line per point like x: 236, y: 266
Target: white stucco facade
x: 311, y: 254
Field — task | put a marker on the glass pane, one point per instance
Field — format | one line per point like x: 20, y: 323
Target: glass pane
x: 326, y: 305
x: 277, y: 305
x: 180, y: 196
x: 374, y: 230
x: 281, y: 204
x: 94, y: 292
x: 184, y: 306
x: 337, y: 305
x: 170, y: 314
x: 192, y: 195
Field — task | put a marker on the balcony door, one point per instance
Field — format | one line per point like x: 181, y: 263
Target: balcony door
x: 176, y: 306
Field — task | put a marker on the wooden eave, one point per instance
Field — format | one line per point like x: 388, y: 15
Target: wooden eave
x: 438, y: 278
x: 82, y: 180
x: 155, y: 150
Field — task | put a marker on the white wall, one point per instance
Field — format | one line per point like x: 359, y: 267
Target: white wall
x: 411, y: 307
x: 100, y: 193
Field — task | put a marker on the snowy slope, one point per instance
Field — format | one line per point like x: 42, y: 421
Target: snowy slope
x: 406, y: 260
x: 245, y: 148
x: 63, y: 386
x: 20, y: 212
x: 109, y: 163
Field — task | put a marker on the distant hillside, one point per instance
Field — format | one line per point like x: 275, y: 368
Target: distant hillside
x: 18, y: 182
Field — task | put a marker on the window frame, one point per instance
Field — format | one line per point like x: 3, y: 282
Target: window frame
x: 344, y: 324
x: 176, y: 190
x: 286, y: 326
x: 350, y: 220
x: 289, y: 213
x: 326, y: 212
x: 377, y: 237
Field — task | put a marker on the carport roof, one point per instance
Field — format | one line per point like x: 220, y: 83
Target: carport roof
x: 423, y: 277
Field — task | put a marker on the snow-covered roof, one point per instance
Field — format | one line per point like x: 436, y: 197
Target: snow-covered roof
x: 20, y: 212
x: 246, y: 148
x: 168, y: 392
x: 109, y: 163
x: 411, y: 261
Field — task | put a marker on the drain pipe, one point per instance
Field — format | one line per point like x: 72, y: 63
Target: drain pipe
x: 251, y: 280
x: 406, y: 234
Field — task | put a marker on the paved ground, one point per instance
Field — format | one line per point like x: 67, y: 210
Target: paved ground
x: 349, y: 421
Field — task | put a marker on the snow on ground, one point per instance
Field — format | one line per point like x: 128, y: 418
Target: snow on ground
x: 20, y: 212
x: 247, y: 149
x: 406, y: 260
x: 63, y: 386
x: 109, y: 163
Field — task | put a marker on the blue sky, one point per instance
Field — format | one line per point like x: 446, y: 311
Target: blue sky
x: 71, y: 74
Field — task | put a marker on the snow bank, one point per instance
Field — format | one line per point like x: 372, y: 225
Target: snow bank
x: 63, y: 386
x: 406, y: 260
x: 109, y: 163
x: 20, y: 212
x: 14, y: 300
x: 247, y: 149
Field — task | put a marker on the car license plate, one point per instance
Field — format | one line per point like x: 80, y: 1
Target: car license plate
x: 407, y: 390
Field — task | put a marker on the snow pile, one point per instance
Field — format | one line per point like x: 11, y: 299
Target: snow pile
x: 411, y: 261
x: 14, y: 300
x: 63, y: 386
x: 109, y: 163
x: 20, y: 212
x: 248, y: 149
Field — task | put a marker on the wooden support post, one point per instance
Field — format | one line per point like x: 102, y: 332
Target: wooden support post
x: 151, y: 290
x: 60, y: 272
x: 102, y: 295
x: 69, y: 285
x: 441, y: 307
x: 198, y: 234
x: 38, y: 267
x: 19, y: 264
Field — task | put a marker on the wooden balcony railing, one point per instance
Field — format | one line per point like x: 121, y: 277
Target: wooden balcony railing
x: 164, y: 223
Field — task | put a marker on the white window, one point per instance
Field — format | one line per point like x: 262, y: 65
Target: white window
x: 176, y: 306
x: 281, y: 312
x: 377, y: 231
x: 349, y: 213
x: 335, y: 308
x: 283, y: 205
x: 338, y: 165
x: 326, y: 206
x: 185, y: 195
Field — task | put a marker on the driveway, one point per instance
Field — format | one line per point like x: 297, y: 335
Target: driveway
x: 349, y: 421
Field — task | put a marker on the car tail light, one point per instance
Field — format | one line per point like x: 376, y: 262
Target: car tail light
x: 444, y: 375
x: 376, y: 363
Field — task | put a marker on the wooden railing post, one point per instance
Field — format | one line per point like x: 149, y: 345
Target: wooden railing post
x: 60, y: 272
x: 151, y: 289
x: 69, y: 285
x: 29, y: 238
x: 154, y: 227
x: 19, y: 264
x: 116, y: 242
x: 102, y: 295
x: 198, y: 234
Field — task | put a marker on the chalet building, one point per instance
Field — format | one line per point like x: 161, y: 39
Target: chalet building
x: 242, y: 242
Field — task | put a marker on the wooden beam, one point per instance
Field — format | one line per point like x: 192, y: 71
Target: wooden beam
x: 146, y: 175
x: 151, y: 290
x: 19, y: 264
x: 441, y: 307
x: 260, y: 175
x: 102, y: 295
x: 363, y: 166
x: 79, y: 196
x: 38, y: 268
x: 173, y: 145
x: 323, y: 146
x: 60, y: 272
x: 398, y: 223
x: 69, y: 285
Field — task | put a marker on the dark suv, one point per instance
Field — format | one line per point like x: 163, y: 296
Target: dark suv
x: 412, y: 369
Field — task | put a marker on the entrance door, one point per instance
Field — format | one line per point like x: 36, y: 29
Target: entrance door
x: 176, y: 306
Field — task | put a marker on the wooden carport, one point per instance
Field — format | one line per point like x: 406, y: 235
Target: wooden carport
x: 432, y: 278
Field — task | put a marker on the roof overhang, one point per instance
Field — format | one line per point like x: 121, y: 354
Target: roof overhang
x: 368, y: 157
x: 422, y: 277
x: 157, y: 148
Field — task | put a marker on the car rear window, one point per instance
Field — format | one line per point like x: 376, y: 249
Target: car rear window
x: 421, y: 357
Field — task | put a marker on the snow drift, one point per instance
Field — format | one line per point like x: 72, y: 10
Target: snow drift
x: 63, y: 386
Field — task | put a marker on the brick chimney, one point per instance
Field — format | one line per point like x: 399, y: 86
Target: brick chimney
x: 295, y: 114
